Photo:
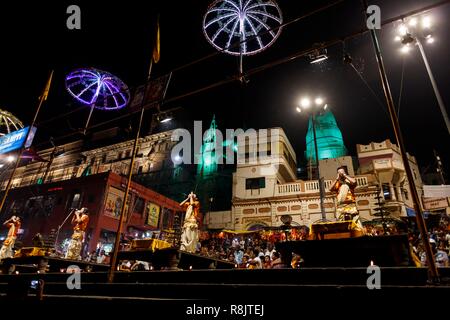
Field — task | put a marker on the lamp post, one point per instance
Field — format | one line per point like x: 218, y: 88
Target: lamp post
x: 305, y: 104
x: 411, y: 30
x: 433, y: 272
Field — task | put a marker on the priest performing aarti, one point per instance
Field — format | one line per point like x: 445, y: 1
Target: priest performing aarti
x: 344, y: 187
x: 13, y: 224
x: 189, y: 237
x: 80, y: 221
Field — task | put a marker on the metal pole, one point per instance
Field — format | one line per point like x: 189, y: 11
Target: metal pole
x: 125, y: 198
x: 399, y: 137
x: 42, y: 98
x: 319, y: 179
x: 60, y: 226
x: 435, y: 88
x: 127, y: 189
x: 49, y: 164
x: 89, y: 118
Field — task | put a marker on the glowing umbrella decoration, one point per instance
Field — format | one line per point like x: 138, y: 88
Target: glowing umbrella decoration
x: 254, y: 24
x: 230, y: 21
x: 98, y: 89
x: 8, y: 123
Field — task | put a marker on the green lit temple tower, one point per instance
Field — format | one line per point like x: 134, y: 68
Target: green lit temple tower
x: 330, y: 143
x: 207, y: 163
x: 213, y: 180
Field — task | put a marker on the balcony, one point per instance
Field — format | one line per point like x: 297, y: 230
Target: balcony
x: 310, y: 187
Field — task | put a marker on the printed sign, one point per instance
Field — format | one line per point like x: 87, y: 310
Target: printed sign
x: 153, y: 214
x: 114, y: 201
x: 435, y: 203
x: 14, y: 140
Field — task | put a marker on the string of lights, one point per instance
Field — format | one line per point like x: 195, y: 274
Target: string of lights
x: 294, y: 56
x: 219, y: 51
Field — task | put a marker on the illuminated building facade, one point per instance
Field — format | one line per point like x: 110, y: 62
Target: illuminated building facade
x: 260, y: 200
x: 44, y: 207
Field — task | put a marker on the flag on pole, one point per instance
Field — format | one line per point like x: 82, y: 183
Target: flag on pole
x: 156, y: 47
x: 47, y: 87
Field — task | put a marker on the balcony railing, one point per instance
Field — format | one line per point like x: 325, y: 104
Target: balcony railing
x: 312, y: 186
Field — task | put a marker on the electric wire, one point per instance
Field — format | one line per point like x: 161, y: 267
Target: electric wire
x: 255, y: 70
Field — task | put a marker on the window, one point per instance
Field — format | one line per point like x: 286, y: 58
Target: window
x: 166, y: 219
x: 255, y: 183
x: 91, y: 198
x: 387, y: 192
x: 267, y: 152
x: 287, y: 155
x: 139, y: 205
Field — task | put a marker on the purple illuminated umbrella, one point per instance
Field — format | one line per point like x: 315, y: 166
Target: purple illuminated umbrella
x: 98, y: 89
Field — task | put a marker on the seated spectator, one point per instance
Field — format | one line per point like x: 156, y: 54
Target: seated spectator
x: 244, y: 264
x: 238, y: 254
x: 256, y: 260
x: 267, y: 262
x: 231, y: 258
x: 276, y: 262
x: 101, y: 257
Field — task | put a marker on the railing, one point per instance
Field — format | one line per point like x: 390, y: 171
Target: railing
x: 362, y: 181
x: 295, y: 187
x: 312, y: 186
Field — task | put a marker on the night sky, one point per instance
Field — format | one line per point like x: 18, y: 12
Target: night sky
x: 118, y: 37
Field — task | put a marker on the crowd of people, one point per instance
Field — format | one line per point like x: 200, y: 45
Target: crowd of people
x: 258, y: 250
x: 439, y: 238
x: 248, y: 251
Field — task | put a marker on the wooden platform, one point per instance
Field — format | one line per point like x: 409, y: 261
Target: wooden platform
x: 332, y: 230
x: 384, y: 251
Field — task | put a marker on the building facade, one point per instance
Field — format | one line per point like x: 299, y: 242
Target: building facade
x: 383, y: 160
x: 261, y: 197
x: 48, y: 207
x: 75, y: 159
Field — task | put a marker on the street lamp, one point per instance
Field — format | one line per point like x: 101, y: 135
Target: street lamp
x: 306, y: 103
x: 411, y: 30
x: 318, y: 55
x: 162, y: 117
